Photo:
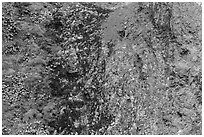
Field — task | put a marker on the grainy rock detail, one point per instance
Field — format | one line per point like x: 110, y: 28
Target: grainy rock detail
x: 101, y: 68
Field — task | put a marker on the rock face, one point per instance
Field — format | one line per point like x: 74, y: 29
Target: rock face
x: 102, y: 68
x: 147, y: 50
